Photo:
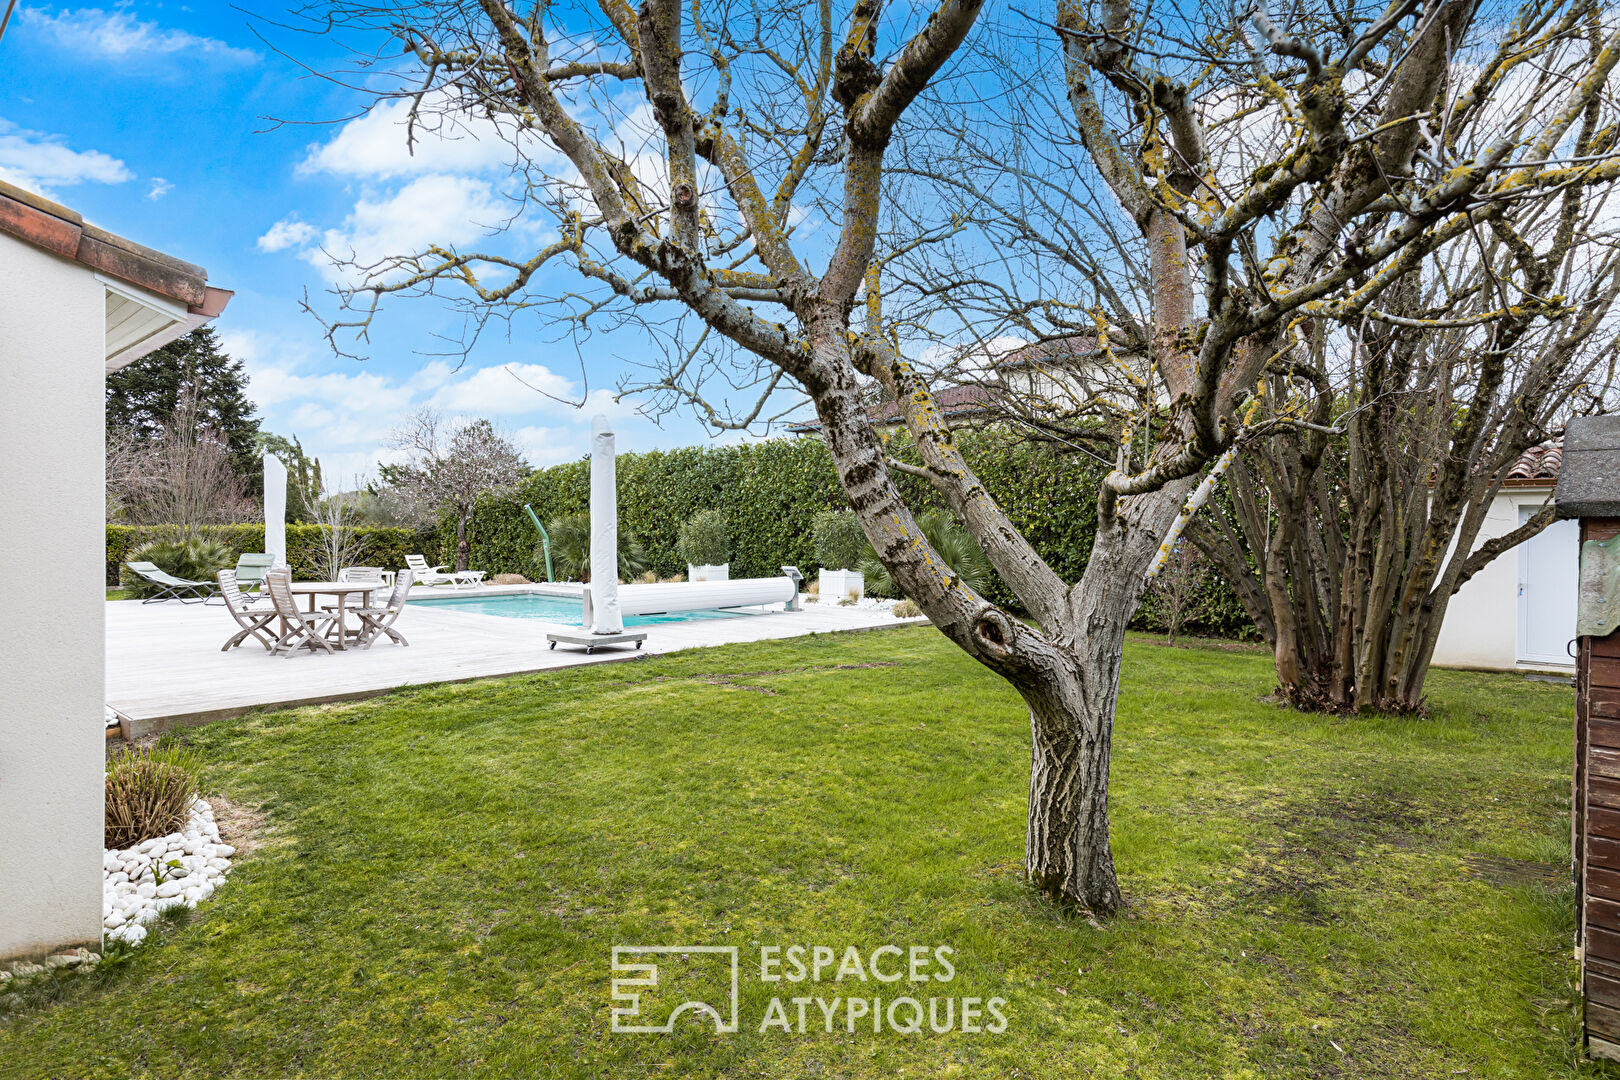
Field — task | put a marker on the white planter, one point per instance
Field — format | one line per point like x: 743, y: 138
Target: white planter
x: 708, y: 573
x: 838, y: 586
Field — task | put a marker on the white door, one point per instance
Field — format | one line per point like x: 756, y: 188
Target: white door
x: 1549, y: 578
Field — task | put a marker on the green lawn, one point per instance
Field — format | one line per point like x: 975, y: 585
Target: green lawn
x: 443, y: 874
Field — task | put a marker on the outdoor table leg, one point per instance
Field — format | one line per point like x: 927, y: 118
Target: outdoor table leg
x: 342, y: 623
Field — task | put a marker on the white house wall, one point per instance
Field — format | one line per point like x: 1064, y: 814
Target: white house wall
x: 52, y: 328
x: 1481, y: 627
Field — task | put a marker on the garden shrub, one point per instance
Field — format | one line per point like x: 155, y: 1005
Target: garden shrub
x: 704, y: 540
x: 955, y: 546
x: 197, y: 559
x: 840, y: 543
x: 769, y: 493
x: 571, y: 550
x: 379, y: 546
x: 149, y: 794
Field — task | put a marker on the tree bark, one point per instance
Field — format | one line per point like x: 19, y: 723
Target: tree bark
x: 463, y: 544
x: 1067, y: 855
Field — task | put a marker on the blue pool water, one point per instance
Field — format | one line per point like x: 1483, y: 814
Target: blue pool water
x: 557, y: 609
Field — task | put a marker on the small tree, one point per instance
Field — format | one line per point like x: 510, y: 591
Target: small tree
x: 704, y: 539
x: 451, y: 467
x: 1177, y: 590
x: 840, y: 541
x: 338, y: 515
x: 183, y: 477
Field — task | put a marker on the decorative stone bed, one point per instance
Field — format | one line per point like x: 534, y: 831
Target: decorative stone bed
x: 139, y: 883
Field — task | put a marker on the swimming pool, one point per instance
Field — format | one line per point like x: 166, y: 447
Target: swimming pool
x: 567, y: 610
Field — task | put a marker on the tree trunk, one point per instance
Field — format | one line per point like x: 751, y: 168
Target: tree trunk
x: 1066, y: 849
x: 463, y: 544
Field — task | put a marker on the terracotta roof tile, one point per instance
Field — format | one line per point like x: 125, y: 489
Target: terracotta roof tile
x: 52, y: 227
x: 1538, y: 462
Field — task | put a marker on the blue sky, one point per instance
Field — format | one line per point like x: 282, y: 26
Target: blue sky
x: 153, y: 121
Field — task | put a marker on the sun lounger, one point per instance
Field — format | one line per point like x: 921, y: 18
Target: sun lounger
x: 170, y: 587
x: 441, y: 575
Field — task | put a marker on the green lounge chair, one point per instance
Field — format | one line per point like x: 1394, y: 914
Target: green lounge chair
x: 171, y: 587
x: 250, y: 569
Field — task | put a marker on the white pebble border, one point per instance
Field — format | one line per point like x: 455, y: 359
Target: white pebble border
x: 190, y: 864
x: 865, y: 603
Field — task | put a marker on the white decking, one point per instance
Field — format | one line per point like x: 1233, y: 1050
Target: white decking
x: 164, y: 667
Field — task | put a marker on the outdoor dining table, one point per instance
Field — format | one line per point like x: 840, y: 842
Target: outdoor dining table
x: 342, y: 590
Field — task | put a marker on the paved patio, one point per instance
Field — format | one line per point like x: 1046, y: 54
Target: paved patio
x: 165, y: 668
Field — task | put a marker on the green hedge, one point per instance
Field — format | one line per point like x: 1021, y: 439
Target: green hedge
x: 769, y: 493
x: 385, y: 547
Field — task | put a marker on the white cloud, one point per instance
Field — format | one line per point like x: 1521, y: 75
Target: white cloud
x: 543, y: 446
x: 344, y: 412
x: 39, y: 162
x: 286, y: 233
x: 510, y: 388
x: 443, y: 210
x: 160, y: 187
x: 94, y: 33
x: 375, y: 147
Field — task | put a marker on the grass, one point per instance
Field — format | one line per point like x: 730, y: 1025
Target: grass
x: 115, y: 593
x: 442, y: 875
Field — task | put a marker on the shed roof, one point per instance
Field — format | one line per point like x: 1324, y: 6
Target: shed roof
x: 1589, y: 482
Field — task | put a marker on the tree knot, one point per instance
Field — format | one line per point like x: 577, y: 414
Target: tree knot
x: 856, y: 76
x: 994, y: 632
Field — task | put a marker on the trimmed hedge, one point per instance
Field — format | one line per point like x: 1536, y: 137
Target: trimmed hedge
x: 770, y: 492
x: 385, y: 547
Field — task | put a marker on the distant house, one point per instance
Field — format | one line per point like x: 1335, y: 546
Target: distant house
x: 954, y: 402
x: 79, y: 302
x: 1051, y: 380
x: 1064, y: 376
x: 1519, y: 612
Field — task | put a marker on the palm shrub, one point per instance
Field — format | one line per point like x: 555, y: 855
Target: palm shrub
x: 840, y: 543
x: 149, y: 794
x: 704, y: 539
x: 197, y: 559
x: 954, y: 545
x: 571, y: 549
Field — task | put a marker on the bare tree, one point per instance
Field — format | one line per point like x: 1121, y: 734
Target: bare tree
x: 773, y: 103
x: 451, y: 466
x: 338, y: 515
x: 1365, y: 521
x: 1177, y: 586
x: 182, y: 478
x: 123, y: 470
x: 1389, y: 407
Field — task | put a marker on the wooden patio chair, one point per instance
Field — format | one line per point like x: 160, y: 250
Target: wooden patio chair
x: 253, y: 618
x: 380, y: 620
x: 300, y: 629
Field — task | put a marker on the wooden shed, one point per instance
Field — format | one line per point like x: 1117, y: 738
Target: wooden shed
x: 1589, y: 491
